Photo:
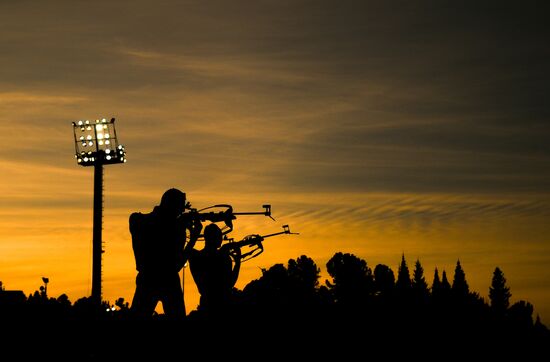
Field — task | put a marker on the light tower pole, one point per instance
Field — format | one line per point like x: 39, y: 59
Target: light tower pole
x: 96, y: 145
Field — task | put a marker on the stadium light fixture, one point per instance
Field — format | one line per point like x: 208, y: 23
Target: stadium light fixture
x: 96, y: 144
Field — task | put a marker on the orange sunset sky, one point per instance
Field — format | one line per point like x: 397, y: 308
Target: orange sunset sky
x: 372, y: 128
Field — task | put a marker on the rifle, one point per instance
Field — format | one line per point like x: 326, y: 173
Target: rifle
x: 227, y: 215
x: 254, y: 242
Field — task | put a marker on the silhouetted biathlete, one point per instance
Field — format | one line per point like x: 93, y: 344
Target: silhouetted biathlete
x: 160, y: 250
x: 215, y: 270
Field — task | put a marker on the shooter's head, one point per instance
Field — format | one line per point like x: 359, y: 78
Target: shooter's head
x: 172, y: 202
x: 213, y: 236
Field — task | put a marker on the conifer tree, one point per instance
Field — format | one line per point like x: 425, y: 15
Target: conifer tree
x: 419, y: 285
x: 403, y: 284
x: 445, y: 285
x: 460, y: 286
x: 436, y: 285
x: 499, y: 293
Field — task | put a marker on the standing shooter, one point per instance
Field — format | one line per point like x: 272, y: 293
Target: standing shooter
x: 160, y: 250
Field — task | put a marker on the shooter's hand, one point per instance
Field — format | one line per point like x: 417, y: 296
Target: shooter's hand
x: 236, y: 253
x: 254, y: 239
x: 195, y: 230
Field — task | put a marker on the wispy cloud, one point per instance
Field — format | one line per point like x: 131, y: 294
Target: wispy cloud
x: 233, y: 67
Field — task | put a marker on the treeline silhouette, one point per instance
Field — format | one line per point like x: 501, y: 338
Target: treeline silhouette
x: 358, y: 308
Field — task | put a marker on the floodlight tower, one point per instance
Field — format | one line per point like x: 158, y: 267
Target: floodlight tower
x: 96, y: 144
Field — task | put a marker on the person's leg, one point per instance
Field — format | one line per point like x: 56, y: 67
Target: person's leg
x: 145, y: 298
x: 172, y: 297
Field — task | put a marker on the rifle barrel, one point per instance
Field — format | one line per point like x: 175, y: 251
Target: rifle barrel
x: 251, y: 213
x: 279, y: 233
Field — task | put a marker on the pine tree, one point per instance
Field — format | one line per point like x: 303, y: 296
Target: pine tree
x: 499, y: 293
x: 436, y: 285
x: 419, y: 285
x: 460, y: 286
x: 403, y: 284
x: 445, y: 285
